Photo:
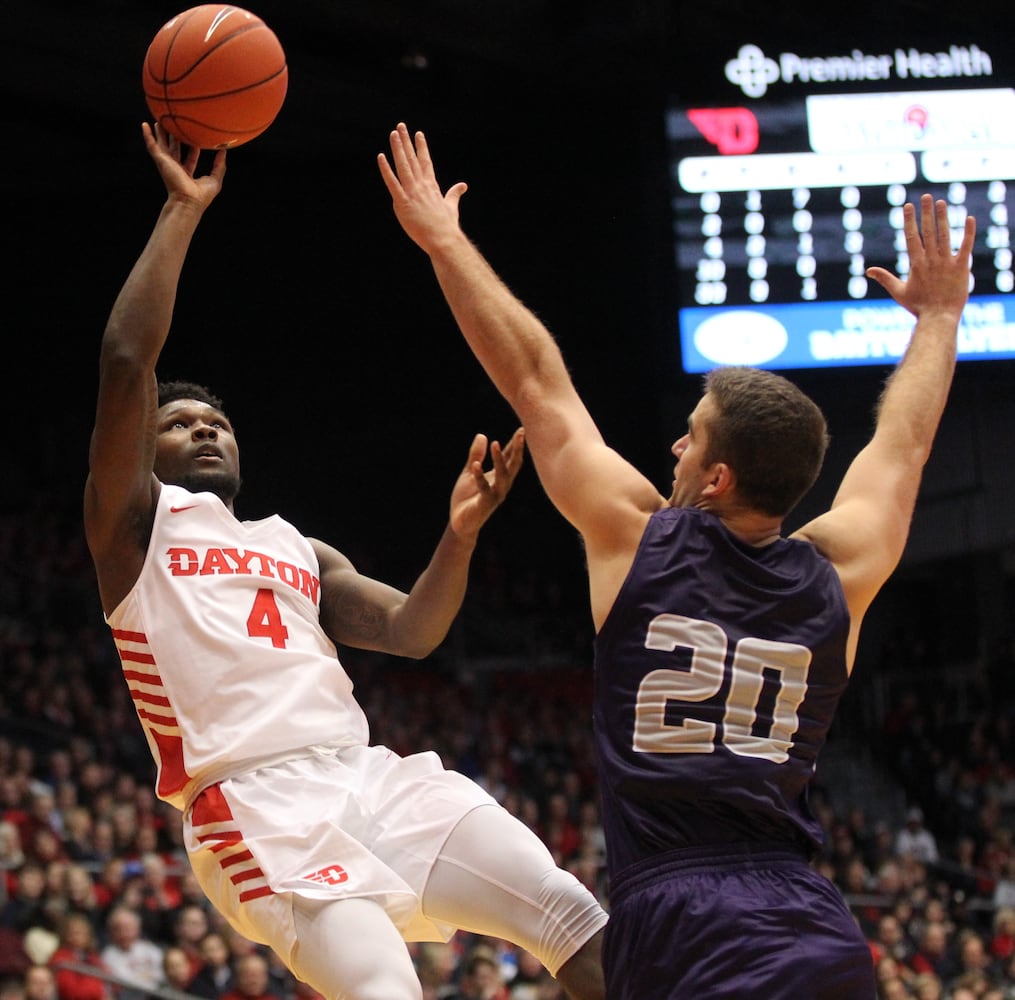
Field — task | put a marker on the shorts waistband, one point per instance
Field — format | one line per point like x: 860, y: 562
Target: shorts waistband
x: 687, y: 860
x: 215, y: 776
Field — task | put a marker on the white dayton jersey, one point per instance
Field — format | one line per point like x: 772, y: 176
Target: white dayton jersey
x: 222, y: 647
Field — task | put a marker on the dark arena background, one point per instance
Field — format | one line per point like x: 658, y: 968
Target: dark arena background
x: 304, y: 305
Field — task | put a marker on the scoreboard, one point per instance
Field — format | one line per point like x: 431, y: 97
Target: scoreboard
x: 779, y: 205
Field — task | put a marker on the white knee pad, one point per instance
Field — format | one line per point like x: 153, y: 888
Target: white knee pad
x: 496, y: 877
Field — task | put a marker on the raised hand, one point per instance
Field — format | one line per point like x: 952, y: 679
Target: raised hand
x: 478, y: 493
x: 423, y: 211
x: 938, y: 279
x: 177, y: 169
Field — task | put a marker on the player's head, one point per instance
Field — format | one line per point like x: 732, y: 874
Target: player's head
x: 195, y: 444
x: 770, y: 434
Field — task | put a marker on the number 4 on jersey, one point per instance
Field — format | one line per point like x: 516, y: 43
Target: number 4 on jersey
x: 264, y: 620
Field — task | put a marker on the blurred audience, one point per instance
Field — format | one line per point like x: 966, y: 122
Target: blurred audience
x: 92, y: 868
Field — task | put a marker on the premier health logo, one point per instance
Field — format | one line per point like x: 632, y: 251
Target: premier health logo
x: 754, y: 72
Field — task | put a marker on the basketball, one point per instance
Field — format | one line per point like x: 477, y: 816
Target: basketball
x: 215, y: 76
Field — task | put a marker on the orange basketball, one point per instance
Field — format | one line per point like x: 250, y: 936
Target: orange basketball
x: 215, y: 76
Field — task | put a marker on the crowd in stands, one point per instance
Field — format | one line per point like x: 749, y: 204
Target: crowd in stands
x: 93, y: 874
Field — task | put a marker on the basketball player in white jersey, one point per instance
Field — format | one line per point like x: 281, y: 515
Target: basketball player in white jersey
x: 307, y: 839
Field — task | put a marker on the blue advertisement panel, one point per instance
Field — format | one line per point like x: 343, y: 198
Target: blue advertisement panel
x: 831, y: 334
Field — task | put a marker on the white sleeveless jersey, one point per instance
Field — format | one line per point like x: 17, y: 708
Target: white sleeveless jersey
x: 222, y: 648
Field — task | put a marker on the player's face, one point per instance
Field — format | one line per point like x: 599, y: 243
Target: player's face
x: 689, y: 474
x: 195, y: 448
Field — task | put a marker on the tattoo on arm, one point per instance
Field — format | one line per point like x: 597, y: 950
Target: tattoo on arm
x: 347, y: 614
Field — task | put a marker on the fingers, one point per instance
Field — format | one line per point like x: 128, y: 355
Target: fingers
x: 190, y: 161
x: 884, y: 278
x: 410, y: 156
x: 933, y: 232
x: 930, y: 232
x: 400, y: 152
x: 403, y: 154
x: 968, y: 236
x: 928, y: 222
x: 388, y: 175
x: 218, y: 165
x: 422, y: 151
x: 401, y: 170
x: 505, y: 462
x: 514, y: 451
x: 944, y: 239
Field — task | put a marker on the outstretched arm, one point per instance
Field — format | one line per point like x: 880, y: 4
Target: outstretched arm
x: 361, y: 612
x: 865, y: 531
x: 601, y: 494
x: 119, y: 494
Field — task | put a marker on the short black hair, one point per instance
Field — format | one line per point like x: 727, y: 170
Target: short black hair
x: 179, y: 389
x: 769, y: 432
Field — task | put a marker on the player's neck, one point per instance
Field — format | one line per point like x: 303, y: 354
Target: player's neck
x: 751, y: 527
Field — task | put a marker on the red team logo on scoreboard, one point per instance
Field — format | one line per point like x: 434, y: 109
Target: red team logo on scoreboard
x: 733, y: 131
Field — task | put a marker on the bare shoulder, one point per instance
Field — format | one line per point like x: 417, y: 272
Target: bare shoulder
x: 118, y: 542
x: 861, y: 563
x: 329, y: 559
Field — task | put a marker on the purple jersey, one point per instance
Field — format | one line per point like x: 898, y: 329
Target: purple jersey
x: 718, y: 671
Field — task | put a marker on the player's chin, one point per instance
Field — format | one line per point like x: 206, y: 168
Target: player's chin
x: 224, y: 483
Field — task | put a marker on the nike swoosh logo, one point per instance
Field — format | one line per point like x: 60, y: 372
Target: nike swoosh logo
x: 177, y: 510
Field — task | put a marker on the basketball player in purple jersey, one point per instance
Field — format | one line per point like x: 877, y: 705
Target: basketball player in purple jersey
x: 722, y: 646
x: 306, y: 837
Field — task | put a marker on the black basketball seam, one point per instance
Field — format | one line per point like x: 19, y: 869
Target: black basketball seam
x: 204, y: 55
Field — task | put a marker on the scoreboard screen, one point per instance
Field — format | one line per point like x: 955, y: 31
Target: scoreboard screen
x: 781, y: 203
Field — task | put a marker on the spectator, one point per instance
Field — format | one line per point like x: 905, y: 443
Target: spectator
x: 11, y: 855
x: 79, y: 892
x: 927, y: 986
x: 932, y: 954
x: 436, y: 965
x: 78, y: 946
x: 914, y: 840
x: 111, y: 883
x: 560, y: 833
x: 893, y: 988
x: 974, y: 962
x: 27, y: 907
x: 1002, y: 942
x: 12, y: 988
x: 215, y: 976
x: 891, y: 941
x: 482, y: 979
x: 239, y: 946
x: 887, y: 973
x: 44, y: 846
x: 161, y: 899
x: 77, y: 834
x: 40, y: 983
x: 176, y: 968
x: 250, y: 979
x: 963, y: 991
x: 189, y: 926
x: 129, y: 955
x: 1004, y: 889
x: 525, y: 983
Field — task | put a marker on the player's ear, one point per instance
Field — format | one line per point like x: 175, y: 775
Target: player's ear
x: 719, y: 480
